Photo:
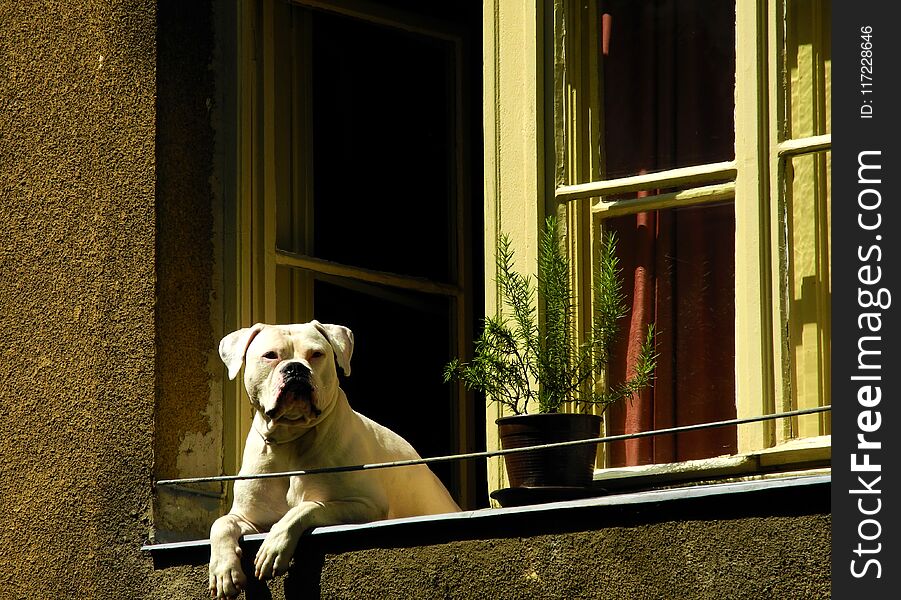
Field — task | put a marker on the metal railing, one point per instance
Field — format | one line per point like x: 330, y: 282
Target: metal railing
x: 493, y: 453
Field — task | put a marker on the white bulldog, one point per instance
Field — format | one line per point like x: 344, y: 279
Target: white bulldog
x: 302, y: 420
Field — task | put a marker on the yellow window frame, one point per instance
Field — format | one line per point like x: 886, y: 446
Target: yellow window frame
x: 542, y: 138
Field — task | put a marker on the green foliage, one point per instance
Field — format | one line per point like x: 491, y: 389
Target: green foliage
x: 516, y: 364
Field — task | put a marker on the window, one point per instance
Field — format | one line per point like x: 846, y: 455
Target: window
x: 724, y: 277
x: 666, y: 96
x: 359, y: 206
x: 699, y: 131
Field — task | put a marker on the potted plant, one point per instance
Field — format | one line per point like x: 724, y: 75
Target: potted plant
x: 525, y: 367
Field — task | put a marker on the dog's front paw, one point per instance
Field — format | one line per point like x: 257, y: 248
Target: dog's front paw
x: 227, y: 579
x: 275, y: 553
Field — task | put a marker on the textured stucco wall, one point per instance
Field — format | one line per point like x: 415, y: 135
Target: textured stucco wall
x: 188, y: 440
x: 77, y: 287
x: 749, y: 558
x: 105, y: 266
x: 626, y: 556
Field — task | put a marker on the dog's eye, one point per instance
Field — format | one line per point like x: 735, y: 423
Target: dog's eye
x: 271, y: 355
x: 317, y: 354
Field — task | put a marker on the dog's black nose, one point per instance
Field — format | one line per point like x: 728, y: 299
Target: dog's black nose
x: 296, y: 369
x: 272, y: 413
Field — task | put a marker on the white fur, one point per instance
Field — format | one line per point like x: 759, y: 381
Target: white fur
x: 289, y: 434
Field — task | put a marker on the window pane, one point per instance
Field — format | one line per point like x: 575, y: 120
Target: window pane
x: 667, y: 84
x: 808, y: 42
x: 402, y: 340
x: 808, y: 287
x: 678, y: 268
x: 383, y: 148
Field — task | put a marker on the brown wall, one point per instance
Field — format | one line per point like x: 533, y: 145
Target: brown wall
x: 190, y: 190
x: 772, y: 557
x: 106, y: 259
x: 633, y: 557
x: 77, y: 249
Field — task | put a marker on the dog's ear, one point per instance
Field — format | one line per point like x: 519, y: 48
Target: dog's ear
x: 234, y: 346
x: 342, y: 341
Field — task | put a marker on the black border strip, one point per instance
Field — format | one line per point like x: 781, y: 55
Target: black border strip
x: 866, y: 45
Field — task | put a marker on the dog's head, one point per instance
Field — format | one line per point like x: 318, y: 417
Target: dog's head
x: 289, y: 370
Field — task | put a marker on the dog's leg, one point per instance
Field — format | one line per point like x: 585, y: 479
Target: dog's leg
x: 277, y: 549
x: 227, y: 579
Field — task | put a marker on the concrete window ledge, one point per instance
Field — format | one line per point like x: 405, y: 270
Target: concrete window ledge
x: 730, y: 531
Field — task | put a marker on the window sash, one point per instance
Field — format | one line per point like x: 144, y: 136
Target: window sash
x: 791, y: 142
x: 663, y: 179
x: 756, y: 180
x: 698, y: 196
x: 274, y: 81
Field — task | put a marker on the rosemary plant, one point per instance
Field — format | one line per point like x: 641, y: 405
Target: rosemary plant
x: 520, y: 366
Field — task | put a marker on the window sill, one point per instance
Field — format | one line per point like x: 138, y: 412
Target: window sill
x: 765, y: 497
x: 809, y: 456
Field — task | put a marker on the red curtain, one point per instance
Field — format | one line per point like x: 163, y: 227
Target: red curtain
x: 668, y: 80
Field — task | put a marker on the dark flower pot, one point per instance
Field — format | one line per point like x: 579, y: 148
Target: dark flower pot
x: 571, y: 466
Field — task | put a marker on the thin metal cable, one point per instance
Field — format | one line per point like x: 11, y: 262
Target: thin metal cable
x: 492, y: 453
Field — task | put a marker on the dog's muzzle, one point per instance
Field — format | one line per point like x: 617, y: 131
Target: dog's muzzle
x: 296, y: 392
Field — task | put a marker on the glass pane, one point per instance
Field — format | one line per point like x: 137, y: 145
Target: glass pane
x: 667, y: 84
x: 678, y: 270
x: 383, y: 148
x: 808, y: 287
x: 396, y: 376
x: 808, y: 42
